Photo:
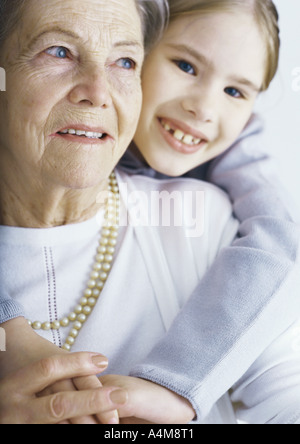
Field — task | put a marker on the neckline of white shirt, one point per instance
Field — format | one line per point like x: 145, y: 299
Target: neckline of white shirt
x: 52, y: 236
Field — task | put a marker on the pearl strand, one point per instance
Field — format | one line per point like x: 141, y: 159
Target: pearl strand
x: 99, y: 275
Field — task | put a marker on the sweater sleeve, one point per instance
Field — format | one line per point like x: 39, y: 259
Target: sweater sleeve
x: 269, y: 392
x: 9, y: 309
x: 226, y: 322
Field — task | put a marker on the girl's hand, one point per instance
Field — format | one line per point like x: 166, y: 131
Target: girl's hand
x: 149, y: 402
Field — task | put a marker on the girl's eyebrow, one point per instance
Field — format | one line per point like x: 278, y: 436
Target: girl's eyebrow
x: 191, y: 51
x: 247, y: 83
x: 186, y: 49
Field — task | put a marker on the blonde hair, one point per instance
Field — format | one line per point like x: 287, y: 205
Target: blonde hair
x: 264, y: 13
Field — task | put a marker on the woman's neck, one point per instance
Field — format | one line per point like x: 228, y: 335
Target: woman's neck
x: 37, y: 207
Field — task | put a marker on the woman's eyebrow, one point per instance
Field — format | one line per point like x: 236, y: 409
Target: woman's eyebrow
x: 69, y: 33
x: 130, y: 43
x: 54, y: 30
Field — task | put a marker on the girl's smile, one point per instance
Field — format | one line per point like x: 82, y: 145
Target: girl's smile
x: 180, y: 137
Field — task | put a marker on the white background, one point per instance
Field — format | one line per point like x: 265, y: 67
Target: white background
x: 280, y: 105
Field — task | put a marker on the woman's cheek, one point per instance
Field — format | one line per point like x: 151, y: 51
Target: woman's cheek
x: 130, y: 113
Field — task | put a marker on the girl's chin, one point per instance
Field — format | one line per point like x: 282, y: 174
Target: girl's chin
x: 167, y: 164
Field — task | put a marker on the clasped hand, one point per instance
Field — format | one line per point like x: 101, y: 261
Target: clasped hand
x: 63, y: 389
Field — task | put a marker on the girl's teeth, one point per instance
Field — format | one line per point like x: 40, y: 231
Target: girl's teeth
x: 179, y: 135
x: 188, y: 139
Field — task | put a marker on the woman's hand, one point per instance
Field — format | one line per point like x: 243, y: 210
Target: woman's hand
x: 25, y: 347
x: 149, y: 402
x: 19, y: 403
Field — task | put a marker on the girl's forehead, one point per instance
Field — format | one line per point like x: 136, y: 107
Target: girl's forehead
x: 226, y: 43
x: 217, y: 34
x: 219, y: 24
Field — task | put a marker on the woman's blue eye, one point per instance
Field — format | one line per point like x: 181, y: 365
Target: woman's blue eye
x: 186, y: 67
x: 58, y: 51
x: 233, y: 92
x: 126, y: 64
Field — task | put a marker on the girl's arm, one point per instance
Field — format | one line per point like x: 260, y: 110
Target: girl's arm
x: 9, y: 309
x: 269, y: 392
x: 250, y: 294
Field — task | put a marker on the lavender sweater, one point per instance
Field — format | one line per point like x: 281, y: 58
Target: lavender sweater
x: 251, y: 294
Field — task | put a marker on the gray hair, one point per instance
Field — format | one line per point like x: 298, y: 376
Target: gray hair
x: 10, y: 11
x: 154, y: 16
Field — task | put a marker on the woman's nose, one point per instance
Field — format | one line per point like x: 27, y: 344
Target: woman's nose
x: 92, y: 88
x: 201, y: 104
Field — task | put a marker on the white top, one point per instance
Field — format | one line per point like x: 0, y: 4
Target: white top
x: 47, y: 270
x: 155, y: 270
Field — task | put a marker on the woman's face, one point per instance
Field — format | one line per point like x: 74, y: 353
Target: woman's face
x: 73, y: 92
x: 200, y: 84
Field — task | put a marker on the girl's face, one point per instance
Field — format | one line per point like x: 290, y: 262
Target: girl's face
x: 200, y: 84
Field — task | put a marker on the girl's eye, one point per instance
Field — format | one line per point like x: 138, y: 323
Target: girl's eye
x: 185, y: 67
x: 233, y: 92
x: 58, y: 51
x: 126, y: 63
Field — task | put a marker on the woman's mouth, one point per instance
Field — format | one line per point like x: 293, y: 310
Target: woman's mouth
x: 180, y: 140
x: 83, y: 135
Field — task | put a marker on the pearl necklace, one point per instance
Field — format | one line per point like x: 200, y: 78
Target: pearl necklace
x: 99, y: 275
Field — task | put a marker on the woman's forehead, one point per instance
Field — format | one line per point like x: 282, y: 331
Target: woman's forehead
x: 105, y: 19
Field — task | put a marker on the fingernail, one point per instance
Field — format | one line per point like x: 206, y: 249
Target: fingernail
x: 100, y: 362
x: 119, y: 397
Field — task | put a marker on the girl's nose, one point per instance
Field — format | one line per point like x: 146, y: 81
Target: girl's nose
x: 201, y: 104
x: 92, y: 88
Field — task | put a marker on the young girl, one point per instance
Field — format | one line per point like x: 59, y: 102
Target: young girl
x: 200, y: 85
